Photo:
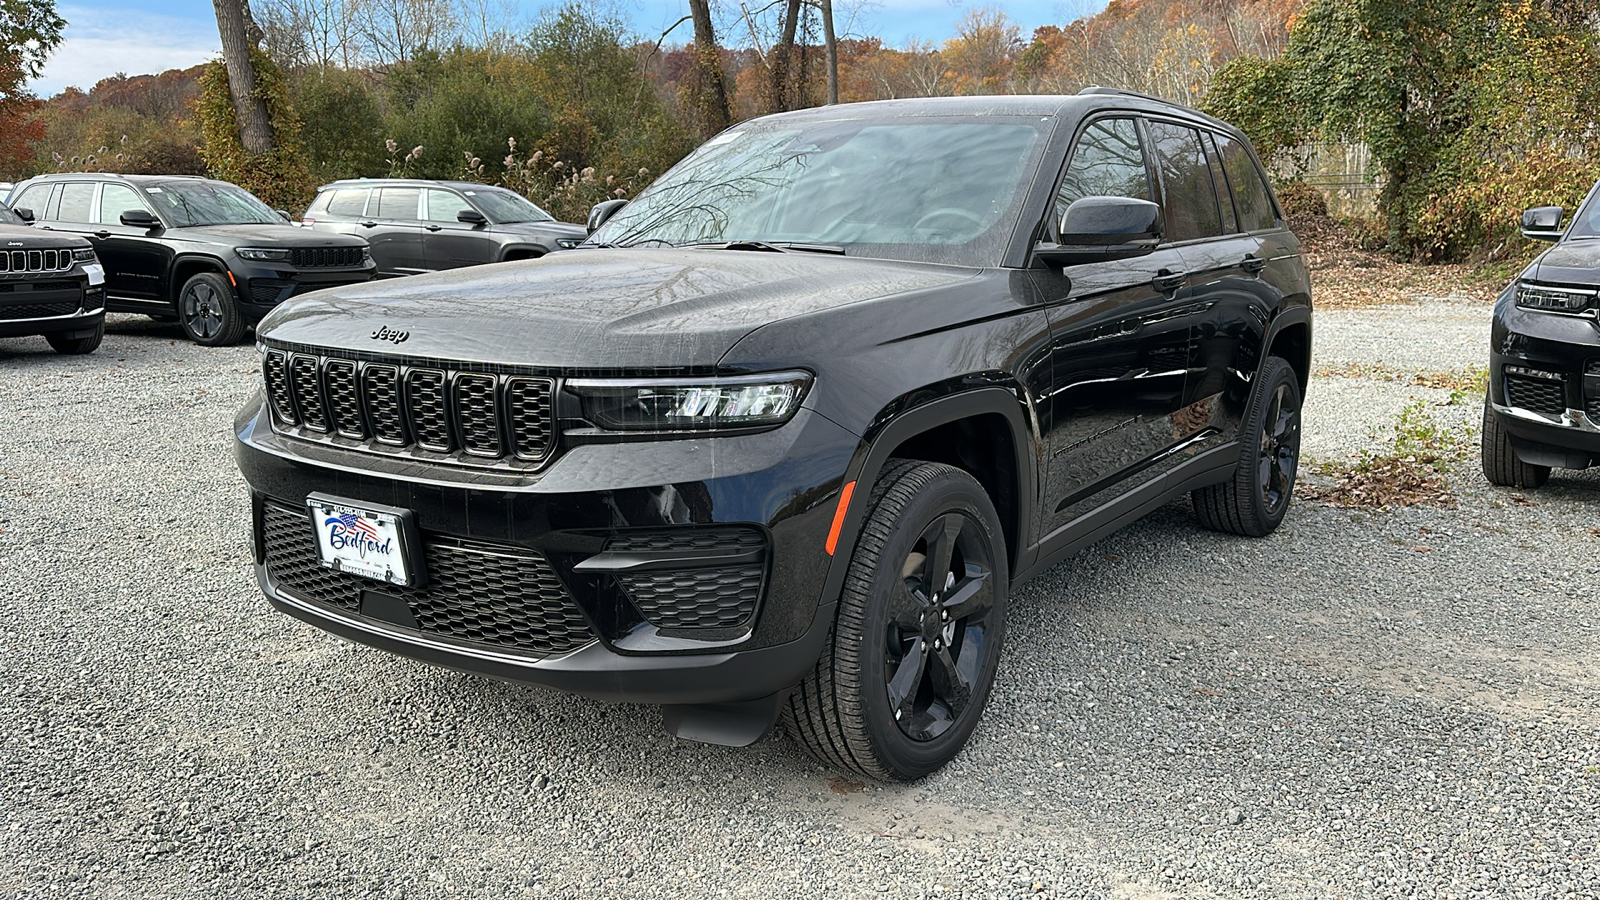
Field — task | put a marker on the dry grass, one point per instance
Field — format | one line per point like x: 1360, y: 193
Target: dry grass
x: 1344, y: 276
x: 1411, y: 471
x: 1474, y: 380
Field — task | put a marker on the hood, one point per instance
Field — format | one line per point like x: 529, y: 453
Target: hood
x: 546, y: 229
x: 1569, y: 262
x: 592, y: 309
x: 23, y: 237
x: 262, y: 236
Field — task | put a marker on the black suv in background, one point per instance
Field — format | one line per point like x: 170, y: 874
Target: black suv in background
x: 787, y: 438
x: 206, y: 253
x: 1543, y: 407
x: 419, y: 226
x: 50, y: 285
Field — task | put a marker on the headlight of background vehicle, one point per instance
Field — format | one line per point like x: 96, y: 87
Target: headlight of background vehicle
x: 265, y: 254
x: 691, y: 404
x: 1551, y: 299
x: 83, y: 256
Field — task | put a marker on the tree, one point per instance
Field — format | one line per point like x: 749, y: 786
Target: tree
x: 239, y: 36
x: 708, y: 94
x: 29, y: 31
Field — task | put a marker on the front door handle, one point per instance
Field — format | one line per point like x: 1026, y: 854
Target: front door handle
x: 435, y: 227
x: 1253, y: 264
x: 1167, y: 282
x: 369, y: 224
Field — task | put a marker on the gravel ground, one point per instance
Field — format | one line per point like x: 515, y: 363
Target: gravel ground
x: 1365, y: 704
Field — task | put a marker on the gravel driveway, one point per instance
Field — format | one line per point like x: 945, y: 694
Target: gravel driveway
x: 1365, y: 704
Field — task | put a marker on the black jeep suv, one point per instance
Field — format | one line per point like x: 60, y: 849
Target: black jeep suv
x: 50, y: 285
x: 206, y: 253
x: 1543, y: 405
x: 425, y: 226
x: 784, y: 441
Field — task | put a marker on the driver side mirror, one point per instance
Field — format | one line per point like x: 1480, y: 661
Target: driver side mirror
x: 1543, y: 223
x: 472, y: 217
x: 1098, y: 229
x: 603, y: 211
x: 25, y: 214
x: 140, y: 218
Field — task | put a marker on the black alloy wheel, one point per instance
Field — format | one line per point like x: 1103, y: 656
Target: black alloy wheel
x: 208, y: 312
x: 903, y: 680
x: 1501, y: 465
x: 1254, y: 501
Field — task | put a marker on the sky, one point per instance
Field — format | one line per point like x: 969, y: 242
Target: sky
x: 136, y: 37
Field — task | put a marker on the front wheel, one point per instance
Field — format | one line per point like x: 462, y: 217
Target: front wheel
x: 208, y: 312
x: 1501, y: 465
x: 912, y: 657
x: 1254, y: 501
x: 79, y: 345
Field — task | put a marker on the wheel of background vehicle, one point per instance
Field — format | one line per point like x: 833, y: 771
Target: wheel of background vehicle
x: 77, y: 346
x: 912, y: 656
x: 1501, y: 465
x: 207, y: 311
x: 1253, y: 502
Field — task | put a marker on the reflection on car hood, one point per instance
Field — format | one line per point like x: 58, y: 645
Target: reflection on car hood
x: 592, y: 309
x: 544, y: 229
x: 24, y: 237
x: 261, y: 236
x: 1569, y: 262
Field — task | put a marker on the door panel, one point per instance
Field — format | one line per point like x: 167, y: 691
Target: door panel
x: 396, y: 231
x: 451, y: 243
x: 135, y: 263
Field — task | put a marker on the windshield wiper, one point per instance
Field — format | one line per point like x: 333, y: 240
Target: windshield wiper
x: 775, y: 247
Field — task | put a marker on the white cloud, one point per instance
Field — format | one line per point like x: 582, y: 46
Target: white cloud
x: 101, y: 42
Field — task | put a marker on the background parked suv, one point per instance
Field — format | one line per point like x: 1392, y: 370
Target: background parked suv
x: 424, y: 226
x: 786, y: 438
x: 51, y: 285
x: 206, y: 253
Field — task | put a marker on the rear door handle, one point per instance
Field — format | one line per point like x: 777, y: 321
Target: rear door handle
x: 102, y: 234
x: 1167, y: 282
x: 1253, y: 264
x: 369, y: 224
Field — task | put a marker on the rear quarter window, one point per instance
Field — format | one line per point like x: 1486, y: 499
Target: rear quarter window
x: 1250, y: 195
x: 344, y: 202
x: 36, y: 198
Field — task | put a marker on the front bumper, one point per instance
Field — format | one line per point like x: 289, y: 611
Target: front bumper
x: 1544, y: 384
x: 566, y: 521
x: 262, y: 286
x: 62, y: 303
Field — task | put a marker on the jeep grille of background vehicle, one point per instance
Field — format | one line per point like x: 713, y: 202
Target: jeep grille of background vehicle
x: 483, y: 593
x: 1539, y: 395
x: 464, y: 418
x: 323, y: 257
x: 18, y: 261
x: 710, y: 596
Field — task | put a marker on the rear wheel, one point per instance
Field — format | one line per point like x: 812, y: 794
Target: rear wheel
x: 911, y: 660
x: 1501, y: 465
x: 1254, y: 501
x: 79, y: 345
x: 208, y: 312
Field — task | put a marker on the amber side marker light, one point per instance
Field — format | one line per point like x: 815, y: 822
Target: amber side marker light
x: 233, y: 281
x: 838, y: 517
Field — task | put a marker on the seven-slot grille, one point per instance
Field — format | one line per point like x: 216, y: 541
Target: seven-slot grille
x: 324, y: 257
x: 474, y: 417
x: 487, y: 594
x: 19, y: 261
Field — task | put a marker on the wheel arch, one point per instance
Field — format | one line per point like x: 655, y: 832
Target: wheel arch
x: 515, y: 252
x: 984, y: 432
x: 186, y: 267
x: 1290, y: 339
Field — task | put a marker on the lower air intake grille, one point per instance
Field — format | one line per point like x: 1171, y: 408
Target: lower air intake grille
x: 505, y: 596
x: 38, y: 310
x: 1536, y: 395
x: 711, y: 596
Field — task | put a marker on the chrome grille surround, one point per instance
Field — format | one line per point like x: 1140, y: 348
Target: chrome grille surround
x: 479, y: 418
x: 19, y: 262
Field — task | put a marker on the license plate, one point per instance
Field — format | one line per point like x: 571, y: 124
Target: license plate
x: 364, y: 540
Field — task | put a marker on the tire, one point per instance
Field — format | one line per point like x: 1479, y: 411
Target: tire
x: 163, y: 319
x: 77, y: 346
x: 888, y: 649
x: 1501, y: 465
x: 208, y: 311
x: 1254, y: 501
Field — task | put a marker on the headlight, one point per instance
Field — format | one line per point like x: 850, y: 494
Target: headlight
x: 265, y: 254
x: 692, y: 404
x: 1553, y: 299
x: 83, y: 256
x: 366, y: 253
x: 568, y: 243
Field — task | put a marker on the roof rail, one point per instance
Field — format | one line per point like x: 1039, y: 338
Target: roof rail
x: 1098, y: 91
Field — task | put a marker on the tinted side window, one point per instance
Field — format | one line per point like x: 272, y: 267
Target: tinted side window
x: 444, y: 205
x: 77, y: 202
x: 347, y: 202
x: 116, y: 199
x: 1191, y: 197
x: 1249, y: 191
x: 1108, y: 161
x: 36, y: 198
x: 398, y: 203
x: 1230, y: 220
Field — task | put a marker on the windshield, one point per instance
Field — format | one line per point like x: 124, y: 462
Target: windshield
x: 924, y: 189
x: 185, y: 203
x: 1586, y: 224
x: 506, y: 208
